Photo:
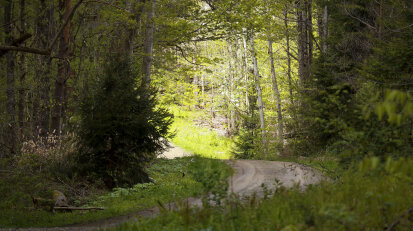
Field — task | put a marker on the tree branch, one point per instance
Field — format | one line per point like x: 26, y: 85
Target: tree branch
x: 16, y: 42
x: 62, y: 27
x: 358, y: 19
x: 397, y: 221
x: 5, y: 49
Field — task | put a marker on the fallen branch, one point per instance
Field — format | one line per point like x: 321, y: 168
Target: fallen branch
x: 78, y: 208
x: 397, y: 221
x: 5, y: 49
x: 16, y: 42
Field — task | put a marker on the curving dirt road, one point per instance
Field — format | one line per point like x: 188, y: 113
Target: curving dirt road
x: 253, y: 176
x: 250, y: 177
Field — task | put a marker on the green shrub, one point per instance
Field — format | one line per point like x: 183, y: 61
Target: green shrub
x: 121, y: 128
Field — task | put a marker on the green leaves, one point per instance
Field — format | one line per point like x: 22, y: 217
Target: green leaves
x: 397, y: 105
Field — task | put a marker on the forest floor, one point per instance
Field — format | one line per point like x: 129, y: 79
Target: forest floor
x: 251, y: 178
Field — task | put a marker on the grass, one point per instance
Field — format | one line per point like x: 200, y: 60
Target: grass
x: 168, y: 185
x: 207, y: 143
x: 198, y: 140
x: 370, y: 196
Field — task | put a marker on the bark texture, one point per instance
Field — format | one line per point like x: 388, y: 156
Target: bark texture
x: 148, y: 45
x: 11, y: 135
x: 276, y: 91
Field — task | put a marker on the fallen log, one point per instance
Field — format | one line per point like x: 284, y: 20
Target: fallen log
x: 78, y: 208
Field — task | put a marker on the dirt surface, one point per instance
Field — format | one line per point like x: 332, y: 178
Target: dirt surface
x: 250, y: 177
x: 174, y: 152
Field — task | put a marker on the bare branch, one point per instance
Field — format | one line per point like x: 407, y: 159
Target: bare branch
x: 16, y: 42
x: 62, y: 27
x: 358, y: 19
x: 397, y: 221
x: 5, y: 49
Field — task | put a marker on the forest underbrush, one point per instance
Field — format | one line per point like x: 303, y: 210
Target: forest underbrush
x: 41, y: 169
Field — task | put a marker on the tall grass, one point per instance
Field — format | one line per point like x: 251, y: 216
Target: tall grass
x: 196, y: 139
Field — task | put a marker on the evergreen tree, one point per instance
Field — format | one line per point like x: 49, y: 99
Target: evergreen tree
x: 121, y: 129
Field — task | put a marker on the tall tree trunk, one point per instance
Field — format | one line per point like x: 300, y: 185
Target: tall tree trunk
x: 276, y: 92
x: 10, y: 72
x: 128, y: 45
x: 258, y: 86
x: 287, y: 38
x: 45, y: 29
x: 232, y: 63
x: 380, y: 29
x: 202, y: 91
x: 130, y: 34
x: 246, y: 72
x: 22, y: 72
x: 63, y: 69
x: 310, y: 32
x: 148, y: 45
x: 302, y: 40
x: 323, y: 27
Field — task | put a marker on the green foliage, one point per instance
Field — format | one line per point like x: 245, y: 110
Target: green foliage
x: 168, y: 185
x: 208, y: 172
x: 397, y: 105
x: 246, y: 144
x: 369, y: 196
x: 326, y: 111
x: 121, y: 128
x: 348, y: 86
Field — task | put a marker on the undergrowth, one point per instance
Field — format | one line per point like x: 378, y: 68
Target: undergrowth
x: 171, y: 181
x: 370, y: 196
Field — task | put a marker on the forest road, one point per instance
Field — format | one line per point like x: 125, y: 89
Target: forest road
x: 251, y: 177
x: 259, y: 176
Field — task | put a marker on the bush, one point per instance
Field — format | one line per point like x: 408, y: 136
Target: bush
x: 121, y: 128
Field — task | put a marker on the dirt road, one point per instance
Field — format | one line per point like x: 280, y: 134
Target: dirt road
x: 250, y: 176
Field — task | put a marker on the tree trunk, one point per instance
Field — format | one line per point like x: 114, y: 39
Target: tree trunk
x: 258, y: 86
x: 276, y: 92
x: 245, y: 70
x: 11, y: 136
x: 380, y: 19
x: 130, y: 35
x: 310, y: 32
x: 302, y: 40
x: 232, y: 63
x: 148, y: 45
x: 202, y: 91
x: 63, y: 69
x: 22, y: 72
x: 325, y: 29
x: 128, y: 45
x: 45, y: 29
x: 287, y: 38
